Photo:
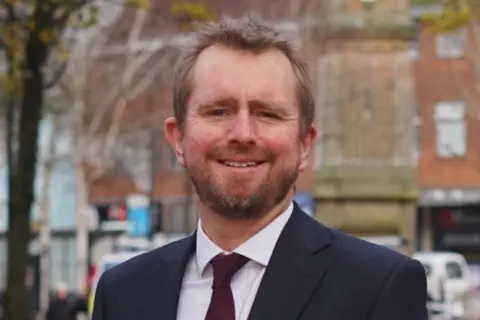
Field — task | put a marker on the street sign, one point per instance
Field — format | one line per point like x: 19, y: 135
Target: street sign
x: 306, y: 202
x: 138, y: 215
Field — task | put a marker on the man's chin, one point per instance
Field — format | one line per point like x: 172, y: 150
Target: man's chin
x: 239, y: 208
x: 240, y: 215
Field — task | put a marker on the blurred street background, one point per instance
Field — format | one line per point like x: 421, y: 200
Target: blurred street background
x: 397, y: 163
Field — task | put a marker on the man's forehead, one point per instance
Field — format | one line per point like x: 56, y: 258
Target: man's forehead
x: 221, y: 59
x: 232, y: 74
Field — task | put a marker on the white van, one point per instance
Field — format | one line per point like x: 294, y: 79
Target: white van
x: 108, y: 261
x: 448, y: 279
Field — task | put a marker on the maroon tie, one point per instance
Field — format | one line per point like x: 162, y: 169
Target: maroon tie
x: 222, y: 306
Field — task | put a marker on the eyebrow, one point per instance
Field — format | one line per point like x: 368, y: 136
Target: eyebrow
x: 265, y: 104
x: 254, y: 104
x: 225, y: 101
x: 270, y: 106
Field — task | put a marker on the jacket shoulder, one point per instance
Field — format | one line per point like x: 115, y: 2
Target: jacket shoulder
x: 367, y: 255
x: 146, y: 263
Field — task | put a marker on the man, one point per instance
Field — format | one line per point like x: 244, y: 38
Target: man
x: 243, y: 129
x: 61, y: 308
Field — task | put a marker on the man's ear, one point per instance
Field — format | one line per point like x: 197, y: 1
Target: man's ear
x: 174, y: 135
x: 306, y: 144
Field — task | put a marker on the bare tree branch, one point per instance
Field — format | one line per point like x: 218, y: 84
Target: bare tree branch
x: 97, y: 109
x: 55, y: 78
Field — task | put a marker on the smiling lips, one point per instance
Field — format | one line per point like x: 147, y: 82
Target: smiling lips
x: 241, y: 164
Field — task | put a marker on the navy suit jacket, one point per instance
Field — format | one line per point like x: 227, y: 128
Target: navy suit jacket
x: 314, y: 273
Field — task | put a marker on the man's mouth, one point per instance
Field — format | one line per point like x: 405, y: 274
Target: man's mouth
x: 241, y: 164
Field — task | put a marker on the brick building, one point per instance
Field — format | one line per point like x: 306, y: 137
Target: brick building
x: 448, y: 126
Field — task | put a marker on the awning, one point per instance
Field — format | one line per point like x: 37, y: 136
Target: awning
x: 449, y: 196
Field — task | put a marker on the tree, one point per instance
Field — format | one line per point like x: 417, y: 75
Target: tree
x: 97, y: 88
x: 96, y: 122
x: 30, y: 34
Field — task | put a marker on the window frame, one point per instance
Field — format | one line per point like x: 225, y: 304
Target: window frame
x: 445, y: 46
x: 443, y: 118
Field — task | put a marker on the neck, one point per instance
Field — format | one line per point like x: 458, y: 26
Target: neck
x: 229, y: 234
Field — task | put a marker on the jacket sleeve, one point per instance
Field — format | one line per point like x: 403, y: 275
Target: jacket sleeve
x: 404, y: 295
x: 99, y: 308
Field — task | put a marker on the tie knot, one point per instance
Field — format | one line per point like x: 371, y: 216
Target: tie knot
x: 224, y: 268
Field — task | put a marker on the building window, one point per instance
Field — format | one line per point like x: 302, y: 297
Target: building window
x: 450, y: 129
x: 451, y: 45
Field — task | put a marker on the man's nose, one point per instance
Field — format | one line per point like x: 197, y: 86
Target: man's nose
x: 242, y: 129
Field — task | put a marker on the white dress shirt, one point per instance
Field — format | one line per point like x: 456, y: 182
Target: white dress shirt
x: 197, y: 281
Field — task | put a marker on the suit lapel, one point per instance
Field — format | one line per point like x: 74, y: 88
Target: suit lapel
x: 160, y: 299
x: 296, y: 268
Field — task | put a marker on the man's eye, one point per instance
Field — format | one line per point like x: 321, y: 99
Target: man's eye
x: 217, y: 112
x: 267, y: 114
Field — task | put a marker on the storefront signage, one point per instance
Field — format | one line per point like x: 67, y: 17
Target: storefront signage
x: 456, y: 228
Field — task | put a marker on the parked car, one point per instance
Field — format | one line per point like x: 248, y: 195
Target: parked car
x: 448, y: 280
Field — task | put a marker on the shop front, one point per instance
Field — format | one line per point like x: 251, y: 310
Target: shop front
x: 457, y: 229
x: 449, y: 220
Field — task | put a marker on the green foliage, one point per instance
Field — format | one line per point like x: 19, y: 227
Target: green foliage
x: 40, y: 25
x: 141, y: 4
x: 32, y: 29
x: 455, y: 15
x: 43, y: 22
x: 190, y: 13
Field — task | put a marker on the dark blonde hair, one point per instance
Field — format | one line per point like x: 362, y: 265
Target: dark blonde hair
x: 249, y: 33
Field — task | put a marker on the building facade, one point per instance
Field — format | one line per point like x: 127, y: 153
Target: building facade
x: 365, y: 176
x: 446, y: 74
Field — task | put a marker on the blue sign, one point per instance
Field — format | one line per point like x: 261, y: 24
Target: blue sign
x: 139, y: 219
x: 306, y: 202
x: 138, y: 215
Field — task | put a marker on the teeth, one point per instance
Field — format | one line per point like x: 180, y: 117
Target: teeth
x: 240, y: 164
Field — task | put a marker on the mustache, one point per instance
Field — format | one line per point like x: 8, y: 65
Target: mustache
x: 240, y: 151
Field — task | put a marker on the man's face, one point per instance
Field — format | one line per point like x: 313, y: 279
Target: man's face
x: 241, y: 142
x: 62, y: 294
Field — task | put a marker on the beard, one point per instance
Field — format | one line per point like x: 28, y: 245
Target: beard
x: 235, y: 199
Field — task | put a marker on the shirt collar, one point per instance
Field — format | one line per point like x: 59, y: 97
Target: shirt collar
x: 258, y: 248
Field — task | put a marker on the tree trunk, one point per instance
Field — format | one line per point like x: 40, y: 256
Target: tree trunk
x: 45, y: 238
x: 82, y: 224
x: 21, y: 197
